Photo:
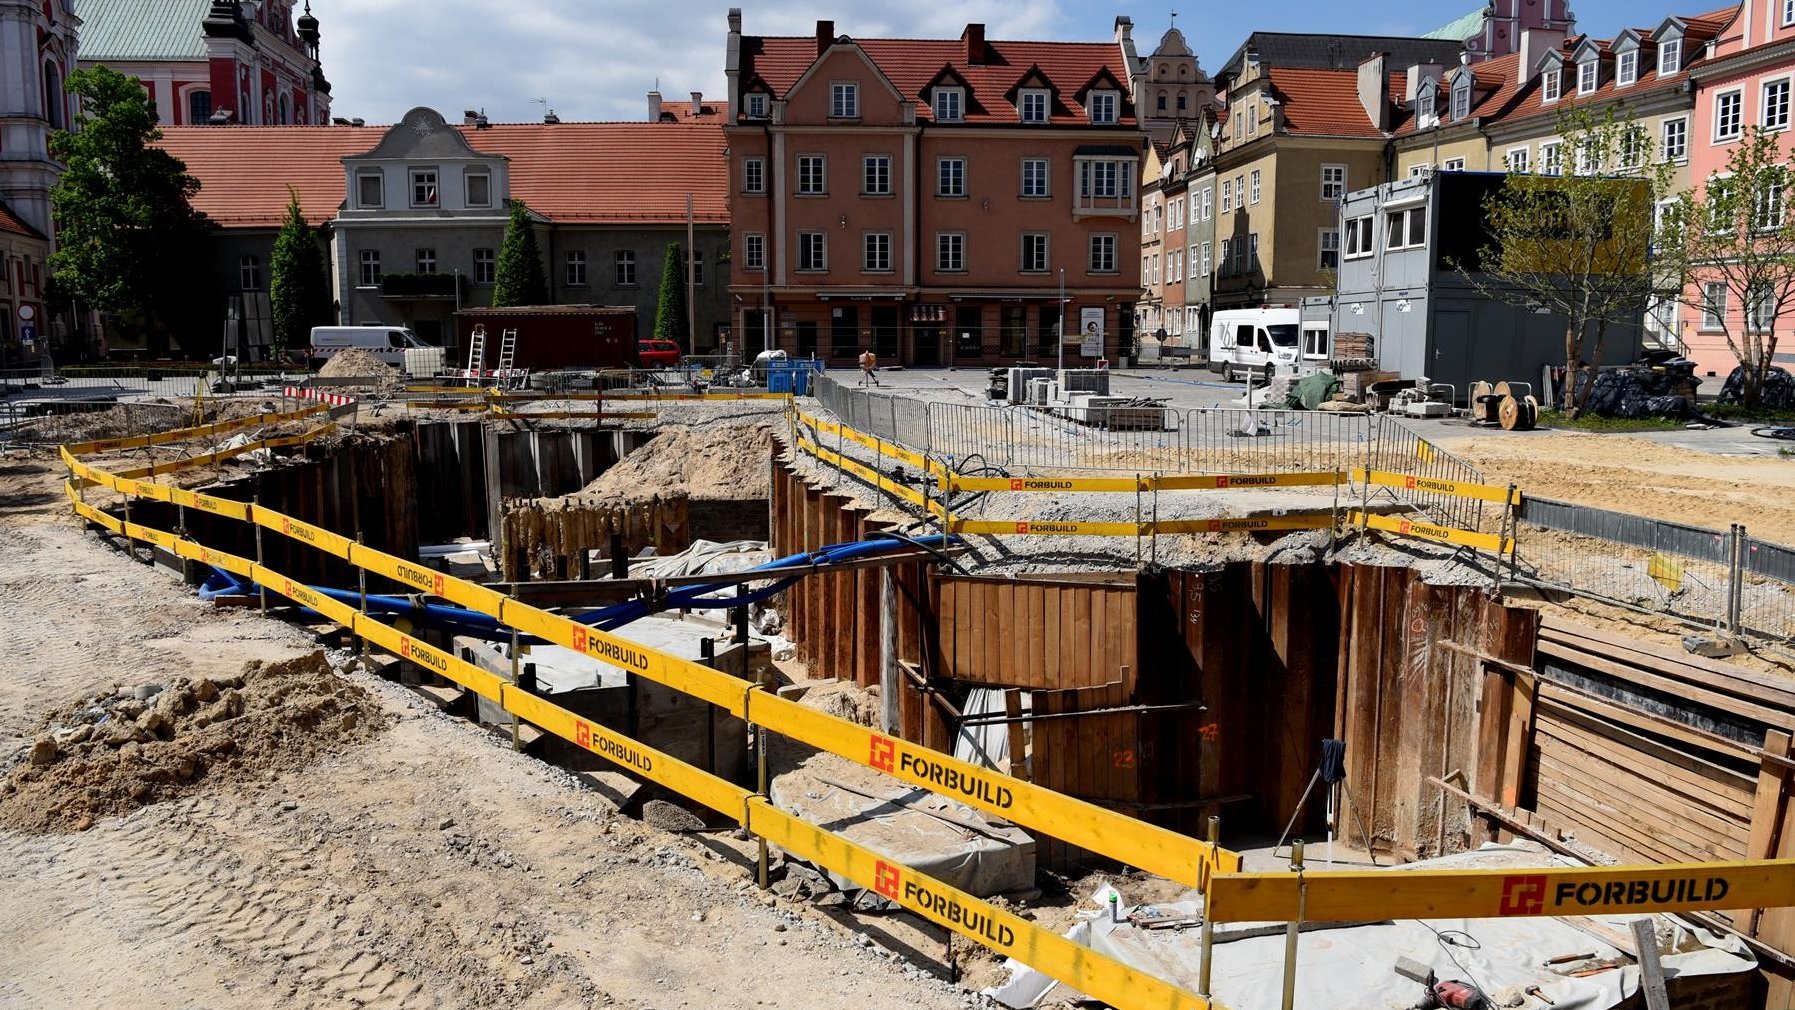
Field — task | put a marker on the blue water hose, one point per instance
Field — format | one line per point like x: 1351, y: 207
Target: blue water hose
x: 461, y: 621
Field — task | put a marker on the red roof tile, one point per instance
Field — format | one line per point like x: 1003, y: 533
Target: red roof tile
x: 1498, y: 82
x: 567, y: 172
x: 244, y: 171
x: 1710, y: 24
x: 1322, y: 101
x: 594, y: 173
x: 912, y: 64
x: 11, y: 223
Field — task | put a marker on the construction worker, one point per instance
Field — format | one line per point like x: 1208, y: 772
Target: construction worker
x: 868, y: 365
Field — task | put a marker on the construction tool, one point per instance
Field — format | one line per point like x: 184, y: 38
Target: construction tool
x: 1540, y: 994
x: 1437, y: 994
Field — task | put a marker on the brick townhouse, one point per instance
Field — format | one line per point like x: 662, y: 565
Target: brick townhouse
x: 926, y: 198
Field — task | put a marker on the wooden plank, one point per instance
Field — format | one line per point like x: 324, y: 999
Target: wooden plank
x: 1013, y: 634
x: 1622, y: 744
x: 1012, y: 709
x: 1669, y: 815
x: 1671, y: 833
x: 1769, y: 804
x: 1631, y: 772
x: 1622, y: 840
x: 1651, y: 973
x: 1566, y: 696
x: 1783, y: 719
x: 1770, y: 689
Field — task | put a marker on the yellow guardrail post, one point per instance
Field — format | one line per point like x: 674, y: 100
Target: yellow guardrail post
x: 1295, y: 927
x: 255, y: 502
x: 1138, y: 519
x: 517, y: 741
x: 1207, y: 951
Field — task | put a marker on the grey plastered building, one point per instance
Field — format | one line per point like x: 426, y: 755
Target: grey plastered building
x: 1400, y: 245
x: 415, y: 214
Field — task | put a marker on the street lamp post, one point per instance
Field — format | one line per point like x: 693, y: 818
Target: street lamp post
x: 1060, y: 323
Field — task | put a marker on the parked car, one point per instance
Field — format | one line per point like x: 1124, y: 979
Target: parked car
x: 657, y: 353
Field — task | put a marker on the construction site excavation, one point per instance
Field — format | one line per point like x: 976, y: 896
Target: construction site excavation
x: 806, y: 695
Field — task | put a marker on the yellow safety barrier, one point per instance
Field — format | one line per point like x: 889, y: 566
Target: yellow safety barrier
x: 1075, y: 965
x: 878, y: 445
x: 866, y: 473
x: 1247, y: 524
x: 1478, y: 894
x: 188, y: 462
x: 1032, y: 528
x: 1437, y: 485
x: 1430, y: 531
x: 1215, y: 482
x: 184, y: 434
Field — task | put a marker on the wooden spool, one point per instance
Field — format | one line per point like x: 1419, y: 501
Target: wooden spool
x: 1518, y: 414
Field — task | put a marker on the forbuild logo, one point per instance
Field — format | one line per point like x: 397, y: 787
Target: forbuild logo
x: 883, y: 755
x: 887, y: 880
x: 1523, y: 895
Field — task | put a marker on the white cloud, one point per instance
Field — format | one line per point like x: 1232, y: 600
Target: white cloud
x: 598, y: 60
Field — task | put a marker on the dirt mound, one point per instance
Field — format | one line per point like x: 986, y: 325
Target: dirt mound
x: 355, y: 363
x: 116, y: 752
x: 121, y: 420
x: 715, y: 462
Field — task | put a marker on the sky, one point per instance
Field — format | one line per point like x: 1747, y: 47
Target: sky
x: 598, y: 59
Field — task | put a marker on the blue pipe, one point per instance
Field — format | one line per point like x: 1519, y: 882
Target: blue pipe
x: 695, y: 597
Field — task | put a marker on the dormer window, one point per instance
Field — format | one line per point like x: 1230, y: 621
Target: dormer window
x: 1626, y: 68
x: 757, y: 104
x: 1032, y: 104
x: 1461, y: 100
x: 423, y: 187
x: 1670, y: 56
x: 1551, y: 84
x: 1588, y: 75
x: 1103, y: 108
x: 1427, y: 106
x: 950, y: 104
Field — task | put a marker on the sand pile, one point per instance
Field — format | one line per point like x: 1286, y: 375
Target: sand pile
x: 714, y: 462
x: 115, y: 752
x: 356, y: 363
x: 120, y: 420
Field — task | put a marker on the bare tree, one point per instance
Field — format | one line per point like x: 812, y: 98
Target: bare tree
x: 1580, y: 244
x: 1738, y: 236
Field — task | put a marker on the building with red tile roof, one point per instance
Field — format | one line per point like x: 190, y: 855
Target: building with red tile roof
x: 429, y: 197
x: 924, y: 198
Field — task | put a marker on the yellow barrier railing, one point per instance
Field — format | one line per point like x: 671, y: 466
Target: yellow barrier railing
x: 1073, y: 964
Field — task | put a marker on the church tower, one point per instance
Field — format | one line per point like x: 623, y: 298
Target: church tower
x: 1169, y: 87
x: 37, y: 51
x: 1505, y: 20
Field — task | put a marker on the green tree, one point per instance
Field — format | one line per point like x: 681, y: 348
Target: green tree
x: 299, y: 282
x: 129, y: 242
x: 670, y: 315
x: 1738, y: 237
x: 1580, y: 244
x: 520, y: 279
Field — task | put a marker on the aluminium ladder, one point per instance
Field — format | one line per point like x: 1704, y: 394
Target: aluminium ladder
x: 507, y: 358
x: 476, y: 356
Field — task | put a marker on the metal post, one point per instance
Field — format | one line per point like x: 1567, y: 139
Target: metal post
x: 1290, y: 932
x: 130, y: 545
x: 1060, y: 325
x: 1208, y: 947
x: 517, y: 742
x: 255, y: 502
x: 361, y: 586
x: 1735, y: 591
x: 1156, y: 520
x: 1137, y: 520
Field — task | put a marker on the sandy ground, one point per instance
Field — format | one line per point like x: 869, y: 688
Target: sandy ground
x: 428, y: 866
x: 1629, y: 473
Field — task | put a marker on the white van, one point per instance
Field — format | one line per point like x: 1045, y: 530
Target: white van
x: 393, y: 345
x: 1248, y: 342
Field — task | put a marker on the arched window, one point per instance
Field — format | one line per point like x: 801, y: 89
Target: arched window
x: 1181, y: 103
x: 1161, y: 105
x: 286, y: 110
x: 53, y: 102
x: 199, y: 107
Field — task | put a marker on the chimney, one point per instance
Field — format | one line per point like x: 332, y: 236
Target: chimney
x: 1535, y: 44
x: 735, y: 20
x: 697, y: 103
x: 654, y: 106
x: 1124, y: 29
x: 825, y: 36
x: 1374, y: 89
x: 468, y: 117
x: 974, y: 37
x: 1418, y: 73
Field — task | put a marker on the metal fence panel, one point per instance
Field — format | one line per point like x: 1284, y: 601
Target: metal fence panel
x: 1624, y: 528
x: 1234, y: 440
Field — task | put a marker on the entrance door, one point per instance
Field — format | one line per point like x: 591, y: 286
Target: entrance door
x: 969, y: 335
x: 806, y: 339
x: 925, y: 345
x: 885, y: 332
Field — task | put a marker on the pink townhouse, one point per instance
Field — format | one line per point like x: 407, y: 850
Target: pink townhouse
x: 1745, y: 81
